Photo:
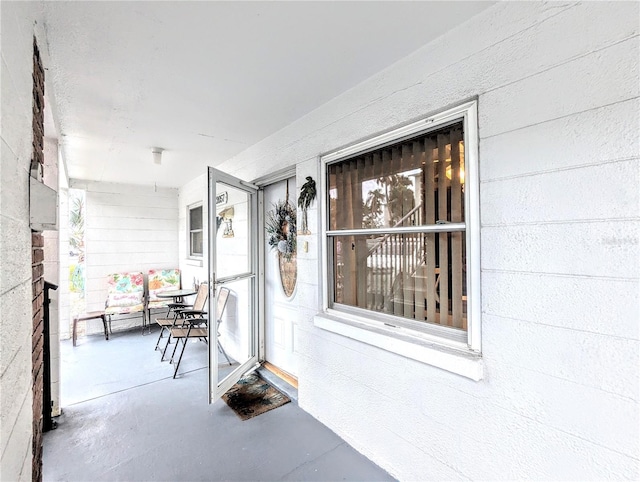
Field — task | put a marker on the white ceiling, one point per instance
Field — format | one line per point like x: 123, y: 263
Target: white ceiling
x: 205, y: 80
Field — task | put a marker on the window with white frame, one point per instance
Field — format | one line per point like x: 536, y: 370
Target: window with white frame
x: 402, y: 238
x: 194, y: 228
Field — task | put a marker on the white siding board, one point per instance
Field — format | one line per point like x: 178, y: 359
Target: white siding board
x: 16, y: 248
x: 564, y: 248
x: 12, y: 377
x: 133, y: 259
x: 558, y: 98
x: 606, y: 191
x: 14, y: 111
x: 580, y: 357
x: 107, y: 236
x: 589, y: 82
x: 14, y: 196
x: 597, y: 305
x: 137, y: 224
x: 97, y: 211
x: 125, y: 231
x: 125, y: 189
x: 16, y: 455
x: 430, y: 423
x: 380, y: 439
x: 152, y: 245
x: 564, y: 143
x: 192, y: 193
x: 108, y: 199
x: 552, y: 402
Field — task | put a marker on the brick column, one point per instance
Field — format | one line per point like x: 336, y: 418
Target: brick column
x: 37, y: 244
x: 37, y: 267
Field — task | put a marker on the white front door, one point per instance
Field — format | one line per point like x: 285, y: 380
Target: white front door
x: 280, y: 310
x: 233, y: 268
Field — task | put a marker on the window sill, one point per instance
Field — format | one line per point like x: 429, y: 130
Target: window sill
x: 455, y: 360
x: 193, y: 262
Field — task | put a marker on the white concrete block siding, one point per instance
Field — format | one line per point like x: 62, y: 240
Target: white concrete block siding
x: 192, y: 193
x: 127, y: 228
x: 558, y: 92
x: 16, y: 399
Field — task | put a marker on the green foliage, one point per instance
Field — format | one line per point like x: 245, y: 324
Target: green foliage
x: 76, y: 278
x: 307, y: 193
x: 372, y: 208
x: 76, y: 224
x: 76, y: 241
x: 281, y: 228
x: 398, y: 195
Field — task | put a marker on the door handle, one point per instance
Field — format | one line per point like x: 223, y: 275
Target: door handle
x: 231, y: 279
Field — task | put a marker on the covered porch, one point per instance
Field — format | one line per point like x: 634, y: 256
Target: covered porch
x: 126, y: 418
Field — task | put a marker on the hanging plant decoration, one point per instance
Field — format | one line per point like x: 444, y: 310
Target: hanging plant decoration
x: 281, y: 229
x: 307, y: 195
x: 281, y: 235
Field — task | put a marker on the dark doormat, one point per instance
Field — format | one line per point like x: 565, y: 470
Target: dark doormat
x: 252, y: 396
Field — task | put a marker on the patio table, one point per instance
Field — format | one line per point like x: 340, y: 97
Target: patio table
x: 177, y: 295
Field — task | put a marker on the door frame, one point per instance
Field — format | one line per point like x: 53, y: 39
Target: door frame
x: 261, y: 183
x: 259, y: 254
x: 216, y: 387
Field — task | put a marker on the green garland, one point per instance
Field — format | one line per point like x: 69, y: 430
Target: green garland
x: 281, y: 229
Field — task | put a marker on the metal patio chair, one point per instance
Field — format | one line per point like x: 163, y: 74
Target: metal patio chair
x: 197, y: 328
x: 181, y: 314
x: 158, y: 281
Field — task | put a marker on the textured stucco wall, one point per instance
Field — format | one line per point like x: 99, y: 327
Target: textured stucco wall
x: 558, y: 91
x: 20, y: 23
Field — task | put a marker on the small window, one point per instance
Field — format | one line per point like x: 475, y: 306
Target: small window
x: 401, y: 216
x: 195, y: 231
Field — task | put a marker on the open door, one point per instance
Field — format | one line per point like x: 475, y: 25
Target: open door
x: 233, y: 264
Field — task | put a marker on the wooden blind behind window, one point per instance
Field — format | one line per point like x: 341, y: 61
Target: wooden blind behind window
x: 415, y: 182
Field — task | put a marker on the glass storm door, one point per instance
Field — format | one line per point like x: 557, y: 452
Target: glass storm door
x: 233, y: 281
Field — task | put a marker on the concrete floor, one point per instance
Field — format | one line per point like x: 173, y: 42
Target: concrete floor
x: 125, y: 418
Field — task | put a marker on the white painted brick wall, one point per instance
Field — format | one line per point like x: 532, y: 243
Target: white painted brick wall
x: 558, y: 93
x: 127, y: 228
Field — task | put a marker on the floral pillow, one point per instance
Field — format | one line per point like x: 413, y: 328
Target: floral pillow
x: 125, y: 282
x: 125, y: 299
x: 163, y: 280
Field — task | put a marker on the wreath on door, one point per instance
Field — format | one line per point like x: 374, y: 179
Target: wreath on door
x: 281, y: 230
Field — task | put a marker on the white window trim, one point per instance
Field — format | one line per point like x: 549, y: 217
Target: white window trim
x: 430, y: 346
x: 195, y: 257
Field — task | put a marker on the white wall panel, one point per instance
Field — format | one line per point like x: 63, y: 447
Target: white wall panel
x: 604, y: 191
x: 15, y: 193
x: 575, y: 356
x: 589, y: 82
x: 598, y: 305
x: 600, y: 249
x: 191, y: 193
x: 20, y: 24
x: 127, y: 228
x: 564, y: 143
x: 102, y: 235
x: 558, y: 91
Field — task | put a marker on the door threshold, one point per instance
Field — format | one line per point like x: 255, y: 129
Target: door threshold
x: 290, y: 379
x: 280, y: 379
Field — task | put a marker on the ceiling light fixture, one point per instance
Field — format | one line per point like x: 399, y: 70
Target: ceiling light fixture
x: 157, y: 154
